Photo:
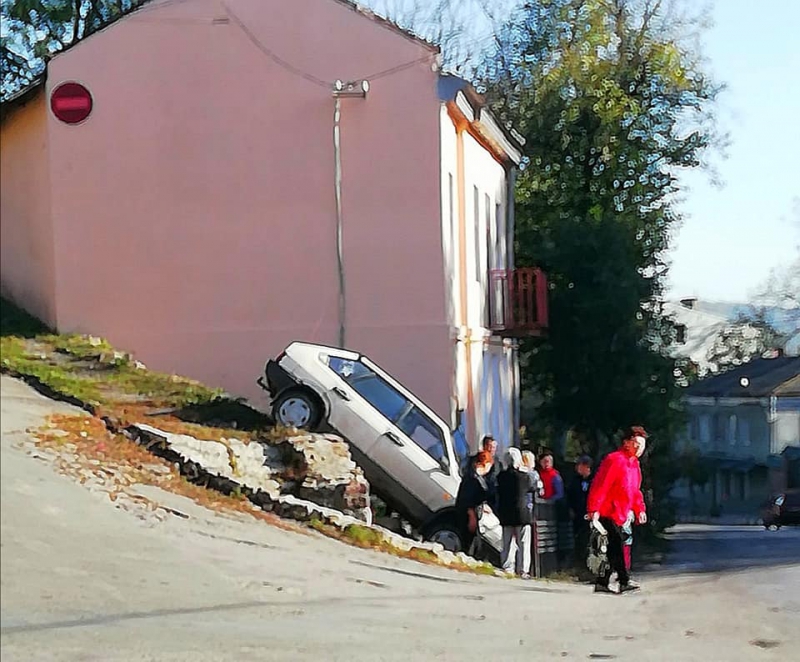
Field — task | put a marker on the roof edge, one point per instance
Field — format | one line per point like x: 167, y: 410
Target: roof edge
x: 22, y: 96
x: 389, y: 24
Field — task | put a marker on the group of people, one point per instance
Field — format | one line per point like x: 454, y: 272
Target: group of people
x: 603, y: 507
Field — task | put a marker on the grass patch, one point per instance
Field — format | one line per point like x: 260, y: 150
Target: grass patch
x: 363, y: 536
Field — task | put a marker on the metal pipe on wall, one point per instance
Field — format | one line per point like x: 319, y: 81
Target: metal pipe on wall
x: 356, y: 89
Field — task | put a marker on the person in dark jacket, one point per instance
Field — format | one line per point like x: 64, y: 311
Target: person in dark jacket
x: 488, y: 445
x: 577, y: 492
x: 514, y: 485
x: 471, y: 497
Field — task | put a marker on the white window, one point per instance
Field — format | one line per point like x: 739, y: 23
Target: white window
x: 478, y: 234
x: 705, y: 428
x: 451, y: 211
x: 732, y: 429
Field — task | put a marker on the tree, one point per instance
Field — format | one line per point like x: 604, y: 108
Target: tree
x: 612, y: 100
x: 35, y: 30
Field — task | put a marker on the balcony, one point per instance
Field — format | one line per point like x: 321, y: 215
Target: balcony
x: 518, y: 302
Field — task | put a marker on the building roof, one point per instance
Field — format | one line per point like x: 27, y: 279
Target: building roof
x: 503, y: 140
x: 24, y: 95
x: 758, y: 378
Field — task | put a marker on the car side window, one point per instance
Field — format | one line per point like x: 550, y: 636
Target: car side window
x: 424, y: 432
x: 385, y: 398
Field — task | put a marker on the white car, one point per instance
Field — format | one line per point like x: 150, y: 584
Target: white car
x: 408, y: 454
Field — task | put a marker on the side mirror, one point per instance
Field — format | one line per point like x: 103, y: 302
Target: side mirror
x: 444, y: 462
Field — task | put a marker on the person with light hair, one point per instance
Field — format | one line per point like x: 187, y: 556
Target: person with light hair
x: 514, y: 486
x: 529, y: 460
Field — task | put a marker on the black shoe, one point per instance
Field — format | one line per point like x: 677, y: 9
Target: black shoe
x: 630, y: 586
x: 604, y: 588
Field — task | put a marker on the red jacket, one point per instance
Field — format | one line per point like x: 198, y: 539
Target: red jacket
x: 616, y: 489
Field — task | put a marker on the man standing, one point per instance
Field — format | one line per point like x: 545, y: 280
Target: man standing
x: 470, y: 500
x: 615, y: 500
x: 553, y: 483
x: 577, y: 494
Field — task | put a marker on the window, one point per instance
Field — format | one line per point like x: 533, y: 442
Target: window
x: 385, y: 398
x: 424, y: 432
x: 491, y: 258
x: 719, y: 427
x: 693, y: 428
x: 477, y: 220
x: 451, y: 213
x: 500, y: 227
x: 744, y: 431
x: 680, y: 334
x: 705, y: 428
x: 732, y: 429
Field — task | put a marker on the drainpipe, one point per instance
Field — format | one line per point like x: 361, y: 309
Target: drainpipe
x: 511, y: 183
x: 357, y: 89
x: 773, y: 417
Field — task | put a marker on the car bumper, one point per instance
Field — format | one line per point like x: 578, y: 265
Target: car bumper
x: 277, y: 379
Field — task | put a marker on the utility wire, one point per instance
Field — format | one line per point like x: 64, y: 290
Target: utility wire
x: 311, y: 78
x: 271, y: 55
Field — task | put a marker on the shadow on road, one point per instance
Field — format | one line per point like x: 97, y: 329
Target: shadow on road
x: 715, y: 549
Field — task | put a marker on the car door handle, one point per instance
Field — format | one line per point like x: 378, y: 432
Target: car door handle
x: 341, y: 393
x: 395, y: 439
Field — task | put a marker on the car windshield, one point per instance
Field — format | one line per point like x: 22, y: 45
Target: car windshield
x: 461, y: 448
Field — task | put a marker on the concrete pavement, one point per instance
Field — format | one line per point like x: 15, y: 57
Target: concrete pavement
x: 82, y: 580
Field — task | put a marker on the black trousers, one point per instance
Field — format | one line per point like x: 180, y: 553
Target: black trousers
x: 616, y: 554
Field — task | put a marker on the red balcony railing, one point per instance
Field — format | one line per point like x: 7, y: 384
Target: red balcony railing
x: 518, y: 302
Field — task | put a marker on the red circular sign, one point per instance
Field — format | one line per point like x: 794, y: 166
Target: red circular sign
x: 71, y: 103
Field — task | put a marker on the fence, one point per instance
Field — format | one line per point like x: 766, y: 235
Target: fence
x: 552, y: 539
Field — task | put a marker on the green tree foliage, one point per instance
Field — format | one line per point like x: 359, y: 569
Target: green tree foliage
x: 35, y: 30
x: 613, y: 103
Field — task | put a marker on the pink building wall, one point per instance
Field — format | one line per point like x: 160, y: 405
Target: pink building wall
x: 26, y: 235
x: 193, y: 212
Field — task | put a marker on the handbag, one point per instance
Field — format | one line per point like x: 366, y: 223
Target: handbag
x: 597, y: 558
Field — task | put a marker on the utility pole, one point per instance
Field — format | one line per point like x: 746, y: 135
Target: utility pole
x: 354, y: 89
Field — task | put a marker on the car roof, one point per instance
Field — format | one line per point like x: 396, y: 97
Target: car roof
x: 355, y: 356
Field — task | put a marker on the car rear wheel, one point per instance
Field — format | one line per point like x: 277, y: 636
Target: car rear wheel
x: 446, y: 533
x: 297, y: 409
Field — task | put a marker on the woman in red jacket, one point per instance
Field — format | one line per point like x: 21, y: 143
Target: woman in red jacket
x: 615, y: 501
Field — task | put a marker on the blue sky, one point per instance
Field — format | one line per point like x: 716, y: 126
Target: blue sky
x: 734, y: 235
x: 737, y: 230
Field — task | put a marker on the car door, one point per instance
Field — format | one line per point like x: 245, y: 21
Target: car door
x: 413, y: 448
x: 360, y: 419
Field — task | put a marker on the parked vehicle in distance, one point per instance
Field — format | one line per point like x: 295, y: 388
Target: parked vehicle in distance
x: 408, y: 454
x: 782, y: 509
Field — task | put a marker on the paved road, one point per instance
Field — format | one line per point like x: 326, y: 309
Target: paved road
x: 766, y: 563
x: 82, y: 580
x: 710, y: 548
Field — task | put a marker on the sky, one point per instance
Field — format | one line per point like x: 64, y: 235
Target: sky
x: 734, y: 234
x: 738, y: 224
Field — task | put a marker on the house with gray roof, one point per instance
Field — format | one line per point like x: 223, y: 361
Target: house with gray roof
x: 744, y: 426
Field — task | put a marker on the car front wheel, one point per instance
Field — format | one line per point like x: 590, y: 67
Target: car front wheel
x: 297, y: 409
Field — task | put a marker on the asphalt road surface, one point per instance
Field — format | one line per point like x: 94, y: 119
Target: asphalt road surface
x: 83, y: 580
